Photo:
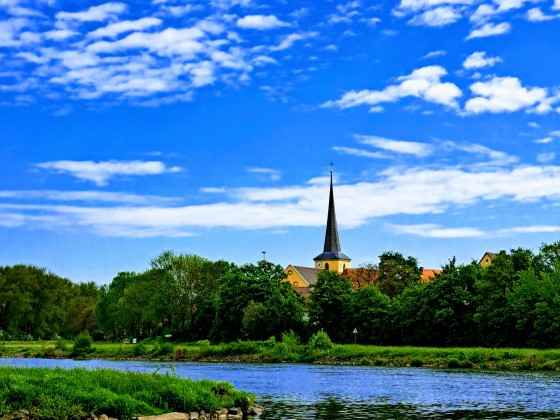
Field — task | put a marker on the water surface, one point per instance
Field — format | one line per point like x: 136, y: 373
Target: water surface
x: 292, y: 391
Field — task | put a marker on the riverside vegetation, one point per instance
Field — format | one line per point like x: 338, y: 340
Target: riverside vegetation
x: 514, y: 302
x: 77, y: 393
x: 319, y: 349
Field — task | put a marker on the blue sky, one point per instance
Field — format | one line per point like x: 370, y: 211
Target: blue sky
x: 129, y: 128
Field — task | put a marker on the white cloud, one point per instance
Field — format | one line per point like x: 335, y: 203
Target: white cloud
x: 424, y: 83
x: 268, y: 173
x: 396, y: 191
x: 291, y: 39
x: 432, y: 54
x: 86, y: 196
x: 440, y: 16
x: 60, y: 34
x: 114, y: 29
x: 360, y: 152
x: 228, y: 4
x: 506, y: 94
x: 95, y: 13
x: 416, y: 5
x: 10, y: 30
x: 556, y: 5
x: 546, y: 157
x: 530, y: 229
x: 429, y: 230
x: 536, y: 15
x: 261, y: 22
x: 479, y: 60
x: 397, y: 146
x: 101, y: 172
x: 555, y: 133
x: 545, y: 140
x: 506, y: 5
x: 490, y: 29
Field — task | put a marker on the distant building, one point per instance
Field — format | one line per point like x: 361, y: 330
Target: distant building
x: 487, y: 258
x: 303, y: 279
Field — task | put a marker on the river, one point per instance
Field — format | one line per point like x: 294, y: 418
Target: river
x: 293, y: 391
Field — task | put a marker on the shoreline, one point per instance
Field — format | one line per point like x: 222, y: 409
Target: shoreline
x: 500, y: 359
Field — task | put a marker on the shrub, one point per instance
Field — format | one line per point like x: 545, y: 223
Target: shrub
x: 60, y: 344
x: 165, y: 349
x: 320, y: 341
x: 416, y: 362
x: 82, y: 344
x: 270, y: 343
x: 203, y: 343
x: 180, y: 353
x: 452, y: 362
x: 291, y: 340
x: 139, y: 349
x: 466, y: 364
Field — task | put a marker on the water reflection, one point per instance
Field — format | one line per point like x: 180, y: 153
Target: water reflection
x: 290, y: 391
x: 336, y: 409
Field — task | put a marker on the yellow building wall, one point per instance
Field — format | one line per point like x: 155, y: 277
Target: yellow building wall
x: 335, y: 265
x: 486, y: 260
x: 294, y: 278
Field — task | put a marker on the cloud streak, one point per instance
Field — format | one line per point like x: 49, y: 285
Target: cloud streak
x: 101, y: 172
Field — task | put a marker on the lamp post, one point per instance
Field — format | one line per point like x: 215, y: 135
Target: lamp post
x: 355, y: 332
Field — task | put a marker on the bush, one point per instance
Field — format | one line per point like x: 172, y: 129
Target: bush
x: 416, y: 362
x: 139, y: 349
x: 291, y: 340
x: 60, y: 345
x: 179, y: 353
x: 82, y: 344
x: 165, y: 349
x: 320, y: 341
x: 452, y: 362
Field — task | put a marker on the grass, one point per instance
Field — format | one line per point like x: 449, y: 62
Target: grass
x: 271, y: 351
x: 74, y: 394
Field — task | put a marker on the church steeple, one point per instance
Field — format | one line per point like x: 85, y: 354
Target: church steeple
x: 332, y: 242
x: 332, y: 258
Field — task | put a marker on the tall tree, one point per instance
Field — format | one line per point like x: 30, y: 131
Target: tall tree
x: 245, y: 291
x: 396, y: 273
x: 194, y: 281
x: 329, y: 305
x: 371, y: 315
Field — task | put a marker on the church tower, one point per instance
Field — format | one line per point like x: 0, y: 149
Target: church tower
x: 331, y: 258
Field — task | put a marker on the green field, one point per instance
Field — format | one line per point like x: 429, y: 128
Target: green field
x: 272, y: 351
x: 74, y: 394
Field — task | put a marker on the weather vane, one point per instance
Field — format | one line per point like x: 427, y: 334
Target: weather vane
x: 332, y: 165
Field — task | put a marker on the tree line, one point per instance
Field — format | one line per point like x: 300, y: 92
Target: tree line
x: 514, y: 302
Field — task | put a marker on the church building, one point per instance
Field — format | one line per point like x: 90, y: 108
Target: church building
x: 303, y: 279
x: 332, y: 258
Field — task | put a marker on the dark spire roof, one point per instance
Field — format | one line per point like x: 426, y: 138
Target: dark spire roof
x: 331, y: 250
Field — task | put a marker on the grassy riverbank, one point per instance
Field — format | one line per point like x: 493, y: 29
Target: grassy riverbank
x: 288, y: 350
x: 74, y: 394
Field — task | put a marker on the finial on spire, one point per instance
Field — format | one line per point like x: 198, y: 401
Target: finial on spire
x: 332, y: 165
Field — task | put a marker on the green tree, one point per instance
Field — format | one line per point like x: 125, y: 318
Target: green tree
x: 329, y: 305
x: 496, y: 324
x: 371, y: 315
x: 396, y: 273
x: 32, y: 301
x: 107, y: 307
x: 263, y: 283
x: 440, y: 313
x: 194, y: 282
